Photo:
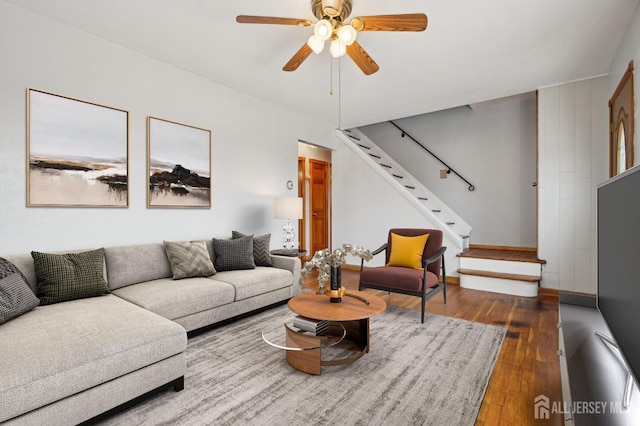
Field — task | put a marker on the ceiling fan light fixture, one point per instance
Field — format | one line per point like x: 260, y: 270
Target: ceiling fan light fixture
x: 332, y: 8
x: 323, y: 29
x: 347, y: 34
x: 337, y: 48
x: 316, y: 44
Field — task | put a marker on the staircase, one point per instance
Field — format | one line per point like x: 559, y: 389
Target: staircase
x: 443, y: 217
x: 506, y: 270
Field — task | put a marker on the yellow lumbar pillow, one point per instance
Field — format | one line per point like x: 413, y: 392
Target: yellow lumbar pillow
x: 407, y: 251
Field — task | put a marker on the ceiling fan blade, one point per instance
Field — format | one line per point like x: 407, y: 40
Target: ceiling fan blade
x: 405, y: 22
x: 298, y: 58
x: 246, y: 19
x: 362, y: 58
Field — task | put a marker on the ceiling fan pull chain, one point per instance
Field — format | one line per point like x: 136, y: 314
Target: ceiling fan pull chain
x: 331, y: 74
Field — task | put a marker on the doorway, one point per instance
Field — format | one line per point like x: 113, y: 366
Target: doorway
x: 621, y: 124
x: 314, y: 186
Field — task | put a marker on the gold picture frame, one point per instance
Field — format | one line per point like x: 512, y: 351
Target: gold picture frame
x: 178, y: 165
x: 77, y: 152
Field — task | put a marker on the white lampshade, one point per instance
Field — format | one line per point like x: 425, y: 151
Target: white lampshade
x: 347, y: 34
x: 323, y: 29
x: 337, y: 48
x: 316, y: 44
x: 288, y: 208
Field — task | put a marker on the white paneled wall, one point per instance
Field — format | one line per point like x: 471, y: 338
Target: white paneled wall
x: 572, y: 153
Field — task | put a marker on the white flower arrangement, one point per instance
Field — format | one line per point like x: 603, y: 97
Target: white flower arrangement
x: 324, y: 259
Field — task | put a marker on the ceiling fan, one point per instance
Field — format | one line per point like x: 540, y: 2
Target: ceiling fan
x: 332, y: 25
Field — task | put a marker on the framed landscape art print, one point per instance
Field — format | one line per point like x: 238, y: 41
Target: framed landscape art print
x: 179, y: 163
x: 77, y: 152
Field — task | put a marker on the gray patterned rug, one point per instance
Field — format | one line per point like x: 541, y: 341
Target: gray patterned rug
x: 434, y: 373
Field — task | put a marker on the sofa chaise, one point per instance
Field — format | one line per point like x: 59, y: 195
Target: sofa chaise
x: 68, y: 362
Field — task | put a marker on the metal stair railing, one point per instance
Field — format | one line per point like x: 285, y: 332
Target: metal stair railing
x: 449, y: 168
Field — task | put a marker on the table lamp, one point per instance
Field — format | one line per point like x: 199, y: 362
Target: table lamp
x: 288, y: 208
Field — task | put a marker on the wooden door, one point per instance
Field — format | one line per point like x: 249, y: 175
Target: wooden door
x: 621, y: 125
x: 319, y: 204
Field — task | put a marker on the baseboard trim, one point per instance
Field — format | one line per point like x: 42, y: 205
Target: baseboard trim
x: 542, y: 291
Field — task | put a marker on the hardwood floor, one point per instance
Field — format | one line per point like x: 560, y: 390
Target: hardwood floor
x: 528, y: 364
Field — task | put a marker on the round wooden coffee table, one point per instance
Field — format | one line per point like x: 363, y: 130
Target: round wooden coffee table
x: 352, y: 314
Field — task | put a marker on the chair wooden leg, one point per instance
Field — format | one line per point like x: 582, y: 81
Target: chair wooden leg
x: 424, y: 301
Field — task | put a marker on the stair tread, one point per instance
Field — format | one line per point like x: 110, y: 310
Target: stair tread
x: 503, y: 275
x: 503, y: 254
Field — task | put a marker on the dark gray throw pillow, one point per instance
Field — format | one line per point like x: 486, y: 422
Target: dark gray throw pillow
x: 233, y: 254
x: 70, y: 276
x: 16, y: 297
x: 261, y: 255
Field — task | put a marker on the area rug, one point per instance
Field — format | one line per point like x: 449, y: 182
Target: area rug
x: 434, y: 373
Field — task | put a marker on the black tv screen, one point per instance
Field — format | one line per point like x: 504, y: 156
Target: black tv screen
x: 619, y: 262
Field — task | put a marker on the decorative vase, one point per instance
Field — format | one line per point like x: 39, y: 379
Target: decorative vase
x: 336, y: 283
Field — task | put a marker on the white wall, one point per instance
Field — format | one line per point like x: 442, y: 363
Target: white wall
x: 365, y: 207
x: 254, y: 144
x: 573, y: 160
x: 493, y: 147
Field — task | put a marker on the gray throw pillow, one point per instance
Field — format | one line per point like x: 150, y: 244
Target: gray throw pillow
x: 233, y: 254
x: 63, y: 277
x: 261, y: 255
x: 16, y: 297
x: 189, y: 259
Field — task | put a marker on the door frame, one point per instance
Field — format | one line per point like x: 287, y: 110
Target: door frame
x: 622, y: 117
x: 302, y: 193
x: 327, y: 196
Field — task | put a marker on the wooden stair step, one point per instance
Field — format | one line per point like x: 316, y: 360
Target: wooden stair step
x: 502, y: 275
x: 510, y: 254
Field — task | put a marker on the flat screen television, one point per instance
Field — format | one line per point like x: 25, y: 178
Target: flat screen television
x: 619, y: 264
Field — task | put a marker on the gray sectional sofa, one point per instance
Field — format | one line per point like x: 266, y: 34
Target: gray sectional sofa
x: 68, y: 362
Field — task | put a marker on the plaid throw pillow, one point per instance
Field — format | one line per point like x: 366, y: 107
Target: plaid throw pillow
x: 63, y: 277
x: 189, y: 259
x: 233, y: 254
x: 261, y: 255
x: 16, y: 297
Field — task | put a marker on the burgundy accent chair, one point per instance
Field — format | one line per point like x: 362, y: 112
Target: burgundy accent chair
x: 422, y: 283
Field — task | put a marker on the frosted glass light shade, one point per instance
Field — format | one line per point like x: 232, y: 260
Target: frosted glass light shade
x: 323, y: 29
x: 347, y: 34
x: 316, y: 44
x: 337, y: 48
x: 288, y: 208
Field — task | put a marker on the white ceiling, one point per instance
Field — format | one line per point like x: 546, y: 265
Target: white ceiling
x: 472, y: 51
